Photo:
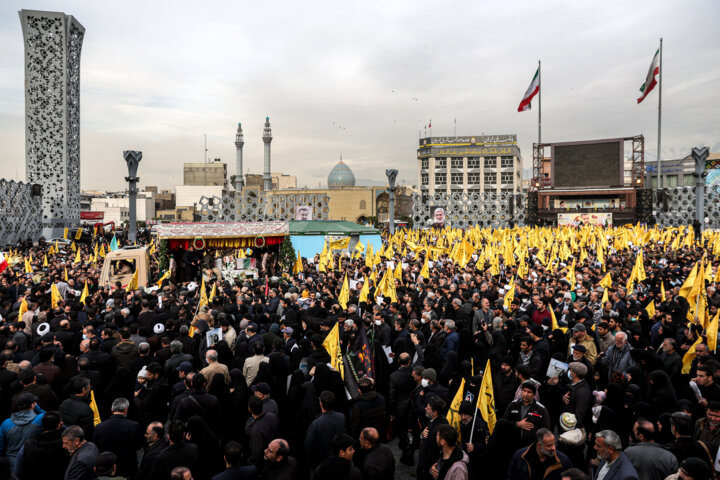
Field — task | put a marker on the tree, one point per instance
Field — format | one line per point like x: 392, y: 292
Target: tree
x: 287, y: 254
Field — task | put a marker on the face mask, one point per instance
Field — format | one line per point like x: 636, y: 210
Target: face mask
x: 378, y: 322
x: 84, y: 337
x: 424, y: 382
x: 569, y: 374
x: 596, y: 413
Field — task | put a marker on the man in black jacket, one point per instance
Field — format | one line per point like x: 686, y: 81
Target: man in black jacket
x: 76, y: 409
x: 579, y: 399
x: 156, y: 443
x: 368, y: 409
x: 339, y: 465
x: 318, y: 439
x: 177, y: 454
x: 121, y: 436
x: 527, y: 415
x: 402, y: 386
x: 43, y: 455
x: 199, y: 402
x: 261, y: 428
x: 429, y: 450
x: 378, y: 462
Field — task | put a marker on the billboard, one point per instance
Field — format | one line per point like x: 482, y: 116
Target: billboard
x: 92, y: 215
x: 303, y: 212
x: 597, y: 163
x: 582, y: 219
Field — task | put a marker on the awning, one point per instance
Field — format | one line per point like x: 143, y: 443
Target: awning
x: 221, y: 230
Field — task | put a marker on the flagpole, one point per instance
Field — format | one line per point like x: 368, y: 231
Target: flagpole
x: 539, y: 105
x: 659, y: 181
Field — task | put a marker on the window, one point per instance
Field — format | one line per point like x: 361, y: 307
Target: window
x: 689, y: 180
x: 441, y: 178
x: 456, y: 163
x: 473, y: 178
x: 424, y: 163
x: 490, y: 162
x: 506, y: 162
x: 491, y: 178
x: 424, y: 178
x: 473, y: 162
x: 653, y: 182
x: 456, y: 178
x: 363, y: 204
x: 506, y: 177
x: 441, y: 163
x: 671, y: 181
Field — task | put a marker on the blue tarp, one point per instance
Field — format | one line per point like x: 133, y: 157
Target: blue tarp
x: 310, y: 245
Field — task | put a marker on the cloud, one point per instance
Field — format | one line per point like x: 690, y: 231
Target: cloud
x: 361, y: 80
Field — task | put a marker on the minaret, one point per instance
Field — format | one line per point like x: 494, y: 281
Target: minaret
x: 267, y: 138
x: 239, y: 142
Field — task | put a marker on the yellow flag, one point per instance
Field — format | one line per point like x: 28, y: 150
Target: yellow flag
x: 712, y: 332
x: 55, y: 296
x: 650, y: 309
x: 486, y: 399
x: 605, y: 296
x: 344, y: 296
x: 78, y: 234
x: 425, y: 272
x: 339, y: 244
x: 45, y: 262
x: 84, y: 293
x: 164, y: 277
x: 203, y: 296
x: 398, y: 271
x: 606, y: 282
x: 689, y: 357
x: 133, y: 283
x: 365, y: 290
x: 689, y: 282
x: 662, y: 290
x: 298, y: 265
x: 67, y: 279
x: 28, y: 267
x: 94, y: 408
x: 24, y: 308
x: 332, y: 345
x: 453, y: 414
x: 555, y: 325
x: 213, y: 292
x: 510, y: 295
x: 359, y: 247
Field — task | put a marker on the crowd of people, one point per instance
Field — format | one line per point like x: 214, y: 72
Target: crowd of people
x: 599, y: 344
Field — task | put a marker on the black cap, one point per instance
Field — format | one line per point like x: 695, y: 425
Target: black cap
x: 184, y: 367
x: 104, y: 463
x: 25, y: 400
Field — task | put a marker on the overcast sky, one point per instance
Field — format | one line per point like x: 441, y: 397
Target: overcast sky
x: 359, y: 80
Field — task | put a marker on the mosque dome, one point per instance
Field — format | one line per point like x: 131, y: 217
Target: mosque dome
x: 341, y: 176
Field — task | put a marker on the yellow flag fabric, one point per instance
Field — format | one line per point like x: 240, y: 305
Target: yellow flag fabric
x: 23, y: 308
x: 67, y: 279
x: 298, y: 265
x: 359, y: 247
x: 689, y: 357
x: 365, y: 290
x: 486, y: 399
x: 453, y: 414
x: 339, y: 244
x: 133, y: 283
x: 78, y: 234
x: 332, y: 345
x: 55, y: 296
x: 689, y: 282
x: 509, y: 296
x: 606, y: 282
x: 164, y: 277
x: 65, y: 233
x: 77, y: 257
x: 28, y: 266
x: 650, y: 309
x: 425, y: 272
x: 203, y: 296
x: 662, y: 290
x: 344, y: 296
x: 712, y: 332
x: 213, y: 292
x: 84, y: 293
x: 605, y: 297
x: 94, y: 408
x: 45, y: 262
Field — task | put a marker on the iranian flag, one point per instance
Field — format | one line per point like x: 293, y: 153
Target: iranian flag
x: 651, y: 79
x: 3, y: 262
x: 532, y: 90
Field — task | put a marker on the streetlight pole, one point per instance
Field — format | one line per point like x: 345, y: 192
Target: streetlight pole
x: 132, y: 158
x: 391, y: 175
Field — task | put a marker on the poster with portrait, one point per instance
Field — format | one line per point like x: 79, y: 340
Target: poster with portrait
x: 582, y: 219
x: 437, y: 216
x: 303, y: 212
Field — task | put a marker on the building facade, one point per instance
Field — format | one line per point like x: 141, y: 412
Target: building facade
x: 208, y: 174
x: 116, y: 208
x: 474, y: 164
x: 53, y: 43
x: 679, y: 173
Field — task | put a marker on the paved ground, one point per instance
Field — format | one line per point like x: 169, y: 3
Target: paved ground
x: 402, y: 471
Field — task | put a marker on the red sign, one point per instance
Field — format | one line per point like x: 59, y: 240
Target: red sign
x: 92, y: 215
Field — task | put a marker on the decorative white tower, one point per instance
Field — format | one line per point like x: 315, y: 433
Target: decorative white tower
x: 239, y: 142
x: 53, y: 42
x: 267, y: 138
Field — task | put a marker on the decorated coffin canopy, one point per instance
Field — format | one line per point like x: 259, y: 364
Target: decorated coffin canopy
x: 181, y: 236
